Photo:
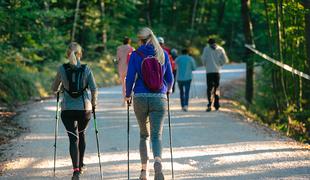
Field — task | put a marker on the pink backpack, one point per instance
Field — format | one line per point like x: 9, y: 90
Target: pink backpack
x: 152, y: 73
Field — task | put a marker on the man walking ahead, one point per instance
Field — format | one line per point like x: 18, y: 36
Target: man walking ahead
x: 213, y: 58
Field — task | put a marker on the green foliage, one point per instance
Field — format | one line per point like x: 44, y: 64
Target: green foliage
x: 16, y: 84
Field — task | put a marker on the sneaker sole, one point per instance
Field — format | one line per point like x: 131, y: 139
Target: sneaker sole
x: 158, y: 171
x: 159, y: 176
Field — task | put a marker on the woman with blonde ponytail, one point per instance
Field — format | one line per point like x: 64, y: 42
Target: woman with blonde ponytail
x: 73, y: 78
x: 149, y: 106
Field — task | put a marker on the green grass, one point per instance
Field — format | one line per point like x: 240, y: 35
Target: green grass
x: 20, y: 83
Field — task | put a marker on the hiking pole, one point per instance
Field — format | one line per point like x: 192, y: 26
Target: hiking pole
x: 56, y: 132
x: 170, y: 138
x: 128, y: 105
x: 97, y: 139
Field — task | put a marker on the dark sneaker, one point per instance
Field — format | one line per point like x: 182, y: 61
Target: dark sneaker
x: 76, y: 175
x: 208, y: 109
x: 158, y: 171
x: 144, y: 175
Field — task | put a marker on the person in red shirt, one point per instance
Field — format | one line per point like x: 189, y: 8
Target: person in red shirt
x: 167, y: 49
x: 123, y: 55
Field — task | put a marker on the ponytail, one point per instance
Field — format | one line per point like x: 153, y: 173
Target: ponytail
x: 72, y: 58
x: 71, y: 53
x: 147, y: 35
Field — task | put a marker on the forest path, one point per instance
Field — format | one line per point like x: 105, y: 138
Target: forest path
x: 213, y: 145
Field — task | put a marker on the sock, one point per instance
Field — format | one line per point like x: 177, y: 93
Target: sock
x: 145, y: 166
x: 76, y: 169
x: 157, y: 159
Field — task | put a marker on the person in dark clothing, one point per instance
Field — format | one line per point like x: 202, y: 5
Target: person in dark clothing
x: 171, y: 58
x: 213, y: 58
x: 76, y: 110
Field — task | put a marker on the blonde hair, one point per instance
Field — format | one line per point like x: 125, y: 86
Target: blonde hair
x: 147, y: 36
x: 74, y: 48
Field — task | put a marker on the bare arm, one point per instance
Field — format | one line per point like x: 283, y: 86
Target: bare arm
x: 57, y: 83
x: 93, y: 88
x: 224, y: 58
x: 204, y: 56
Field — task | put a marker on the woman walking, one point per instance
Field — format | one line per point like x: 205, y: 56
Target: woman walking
x: 73, y: 79
x: 149, y: 105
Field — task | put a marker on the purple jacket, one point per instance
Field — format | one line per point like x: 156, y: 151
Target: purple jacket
x: 134, y: 67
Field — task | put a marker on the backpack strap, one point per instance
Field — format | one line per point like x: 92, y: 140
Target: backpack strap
x: 140, y: 54
x: 83, y: 67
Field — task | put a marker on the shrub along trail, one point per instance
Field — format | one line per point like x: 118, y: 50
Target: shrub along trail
x: 214, y: 145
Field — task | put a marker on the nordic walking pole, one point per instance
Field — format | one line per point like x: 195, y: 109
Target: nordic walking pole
x: 170, y: 137
x: 56, y: 133
x: 97, y: 139
x: 128, y: 104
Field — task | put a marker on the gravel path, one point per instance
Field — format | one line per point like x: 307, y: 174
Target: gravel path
x: 215, y: 145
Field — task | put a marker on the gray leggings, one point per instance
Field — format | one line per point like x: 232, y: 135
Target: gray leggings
x: 150, y: 112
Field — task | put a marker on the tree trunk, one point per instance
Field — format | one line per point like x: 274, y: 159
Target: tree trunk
x: 268, y: 26
x: 149, y: 4
x: 104, y: 32
x: 194, y: 15
x: 174, y: 15
x: 248, y: 34
x: 280, y: 56
x: 280, y: 51
x: 273, y: 73
x: 306, y: 4
x: 159, y: 11
x: 307, y: 31
x: 75, y: 20
x: 221, y: 12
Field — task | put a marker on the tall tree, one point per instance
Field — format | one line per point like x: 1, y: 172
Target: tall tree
x: 273, y: 73
x: 149, y: 5
x: 102, y: 16
x: 75, y: 20
x: 194, y: 14
x: 306, y: 4
x: 280, y: 49
x: 248, y: 34
x: 221, y: 12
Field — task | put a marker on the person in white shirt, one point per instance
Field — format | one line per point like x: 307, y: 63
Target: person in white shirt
x: 213, y: 58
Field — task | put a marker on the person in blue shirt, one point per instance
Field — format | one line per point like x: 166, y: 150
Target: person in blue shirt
x: 149, y: 107
x: 185, y: 65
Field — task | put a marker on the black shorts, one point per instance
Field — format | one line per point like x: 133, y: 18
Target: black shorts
x: 75, y: 121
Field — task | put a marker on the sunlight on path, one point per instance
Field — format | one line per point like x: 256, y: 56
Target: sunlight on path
x: 213, y: 145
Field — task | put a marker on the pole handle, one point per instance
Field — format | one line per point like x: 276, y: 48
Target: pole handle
x: 57, y: 97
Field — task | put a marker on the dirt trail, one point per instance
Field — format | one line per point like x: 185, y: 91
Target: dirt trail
x: 215, y: 145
